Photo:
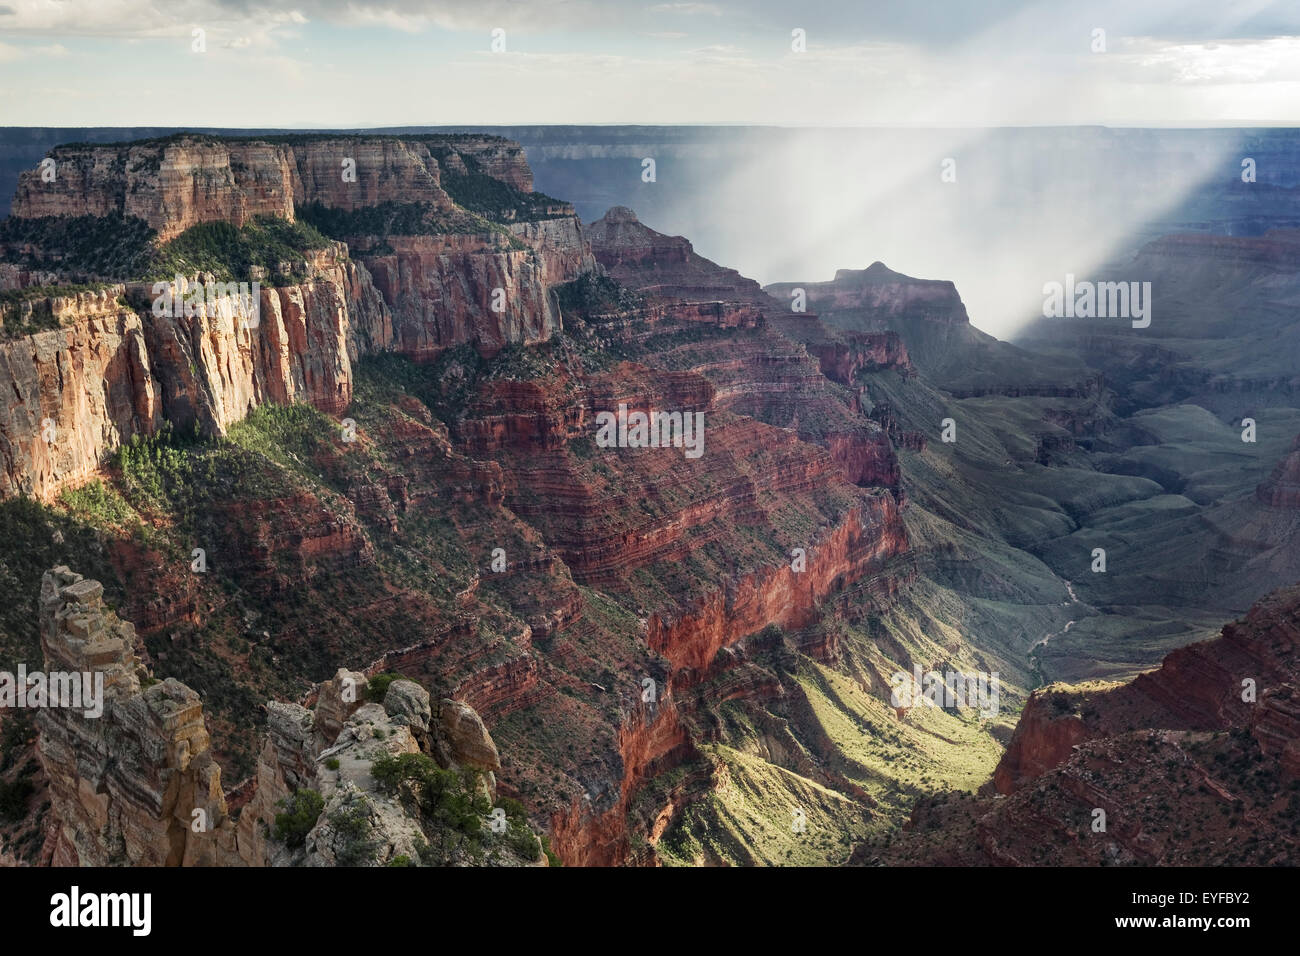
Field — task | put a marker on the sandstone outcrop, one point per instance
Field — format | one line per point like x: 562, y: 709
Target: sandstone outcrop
x: 665, y: 266
x: 176, y: 183
x: 171, y: 185
x: 112, y: 369
x: 138, y: 785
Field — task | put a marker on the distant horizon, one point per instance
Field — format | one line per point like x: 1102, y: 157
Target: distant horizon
x: 1281, y: 124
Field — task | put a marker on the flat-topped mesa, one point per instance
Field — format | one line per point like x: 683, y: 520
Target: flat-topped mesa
x: 666, y: 266
x: 880, y: 293
x: 188, y: 179
x: 171, y: 185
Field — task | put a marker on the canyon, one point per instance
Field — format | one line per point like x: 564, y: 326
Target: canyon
x: 658, y: 658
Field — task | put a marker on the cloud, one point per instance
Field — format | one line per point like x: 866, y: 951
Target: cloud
x: 691, y: 9
x: 997, y: 62
x: 1275, y: 59
x: 10, y: 53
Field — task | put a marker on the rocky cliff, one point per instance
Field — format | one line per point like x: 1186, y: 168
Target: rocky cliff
x: 1178, y: 761
x: 883, y: 293
x: 170, y: 185
x: 126, y: 786
x: 664, y: 265
x: 109, y: 368
x: 110, y: 371
x: 138, y: 785
x: 176, y: 183
x: 442, y: 289
x: 474, y: 537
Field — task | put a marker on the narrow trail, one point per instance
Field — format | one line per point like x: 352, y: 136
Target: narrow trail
x: 1039, y: 645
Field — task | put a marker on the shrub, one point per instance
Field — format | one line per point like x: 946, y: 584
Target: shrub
x: 489, y: 197
x: 591, y: 294
x: 445, y: 796
x: 108, y: 246
x: 301, y: 811
x: 377, y: 687
x: 551, y: 856
x: 352, y: 822
x: 231, y: 252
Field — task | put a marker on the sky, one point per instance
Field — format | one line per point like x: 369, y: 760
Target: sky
x: 355, y: 63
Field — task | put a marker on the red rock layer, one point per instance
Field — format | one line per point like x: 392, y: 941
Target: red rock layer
x: 1198, y: 687
x: 648, y: 744
x: 663, y: 265
x: 779, y: 595
x: 177, y: 183
x: 443, y: 291
x: 1185, y: 770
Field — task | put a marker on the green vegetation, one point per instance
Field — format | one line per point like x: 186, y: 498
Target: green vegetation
x: 377, y: 687
x: 386, y: 219
x: 449, y: 802
x: 101, y: 505
x: 590, y: 294
x: 445, y: 796
x: 232, y: 252
x: 16, y: 322
x: 302, y: 809
x: 351, y: 821
x: 12, y: 328
x: 399, y: 219
x: 493, y: 199
x: 552, y: 858
x: 117, y: 247
x: 444, y: 385
x: 110, y: 246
